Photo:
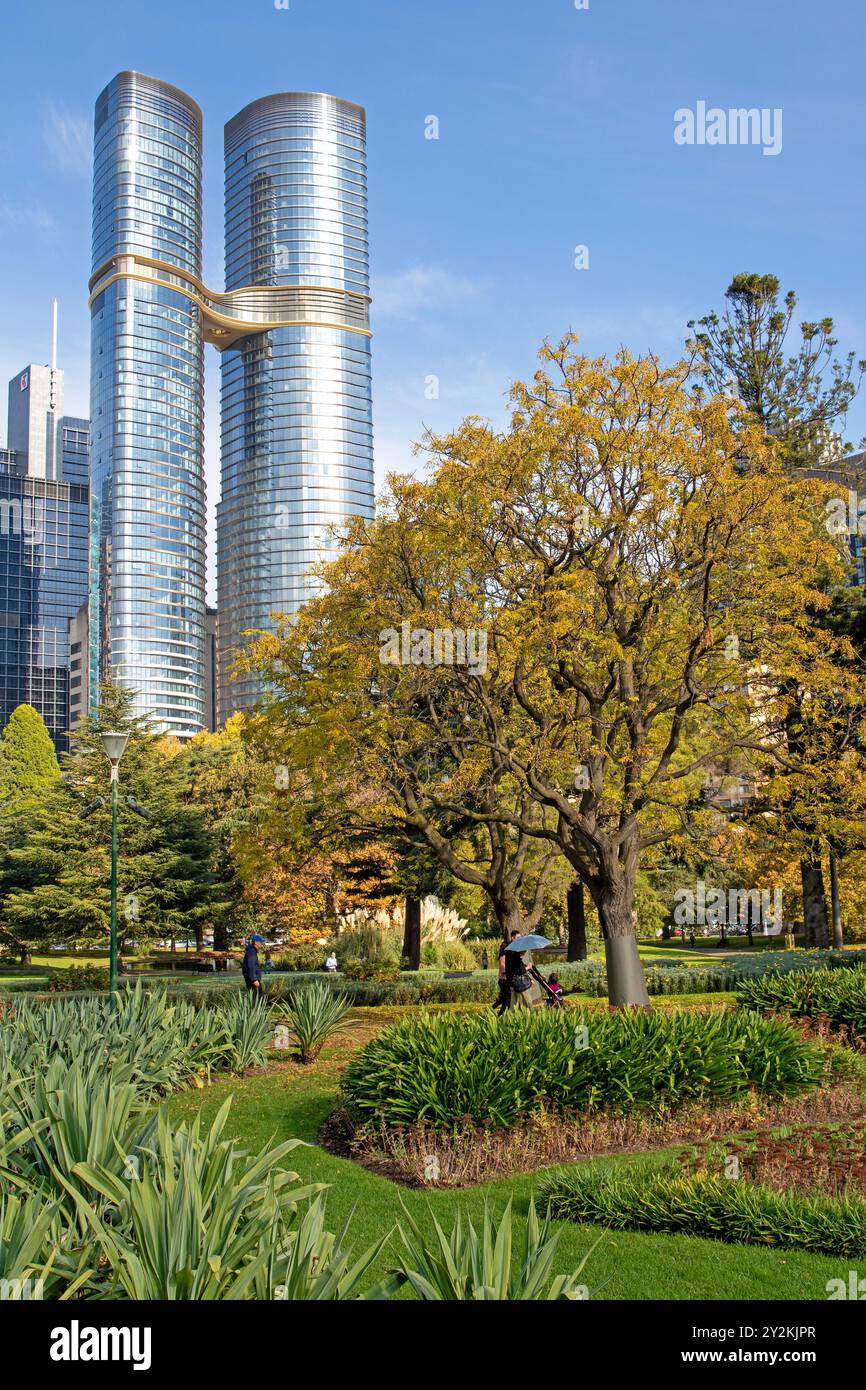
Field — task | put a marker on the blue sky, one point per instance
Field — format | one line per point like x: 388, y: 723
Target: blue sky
x: 555, y: 130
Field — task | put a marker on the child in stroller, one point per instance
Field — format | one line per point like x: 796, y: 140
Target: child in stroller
x: 554, y: 994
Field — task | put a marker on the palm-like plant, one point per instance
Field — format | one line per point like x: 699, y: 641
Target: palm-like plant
x: 316, y: 1264
x: 312, y: 1015
x: 33, y: 1262
x: 249, y: 1029
x: 204, y: 1220
x: 468, y: 1265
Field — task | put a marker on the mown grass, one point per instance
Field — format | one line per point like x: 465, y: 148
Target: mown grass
x: 291, y: 1101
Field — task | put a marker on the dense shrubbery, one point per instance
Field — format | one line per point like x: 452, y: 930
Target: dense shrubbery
x: 378, y: 968
x: 301, y: 957
x: 448, y: 1067
x: 144, y: 1038
x: 92, y: 978
x: 838, y: 995
x: 450, y: 955
x: 714, y: 1206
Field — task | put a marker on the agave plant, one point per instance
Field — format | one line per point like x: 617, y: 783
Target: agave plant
x: 249, y: 1029
x: 316, y: 1265
x: 312, y: 1015
x: 33, y: 1263
x: 467, y: 1265
x: 202, y: 1220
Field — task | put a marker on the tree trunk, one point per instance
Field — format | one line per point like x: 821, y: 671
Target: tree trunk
x: 626, y: 985
x: 412, y: 932
x: 835, y: 904
x: 814, y: 904
x: 576, y: 907
x: 509, y: 916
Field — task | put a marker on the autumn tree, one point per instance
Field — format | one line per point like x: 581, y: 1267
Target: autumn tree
x: 606, y: 546
x: 790, y: 382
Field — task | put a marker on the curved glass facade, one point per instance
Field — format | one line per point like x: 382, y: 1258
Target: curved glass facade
x: 297, y: 446
x: 147, y: 535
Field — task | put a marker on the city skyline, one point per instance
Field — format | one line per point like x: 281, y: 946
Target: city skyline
x: 571, y: 110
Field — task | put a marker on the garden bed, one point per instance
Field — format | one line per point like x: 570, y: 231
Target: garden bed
x: 425, y: 1155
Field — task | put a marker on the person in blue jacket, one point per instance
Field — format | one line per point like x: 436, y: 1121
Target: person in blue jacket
x: 251, y: 966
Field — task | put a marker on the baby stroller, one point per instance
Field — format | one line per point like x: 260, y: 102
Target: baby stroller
x: 553, y: 998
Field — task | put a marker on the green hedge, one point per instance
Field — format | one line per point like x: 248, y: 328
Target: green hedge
x: 839, y: 995
x: 445, y: 1068
x: 705, y: 1205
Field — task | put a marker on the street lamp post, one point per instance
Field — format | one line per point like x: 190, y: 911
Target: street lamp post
x: 114, y: 745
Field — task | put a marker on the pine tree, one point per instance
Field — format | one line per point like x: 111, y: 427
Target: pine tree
x: 28, y: 762
x: 798, y: 392
x: 54, y: 861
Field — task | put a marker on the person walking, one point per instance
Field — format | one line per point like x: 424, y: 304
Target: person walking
x: 524, y: 991
x: 251, y: 967
x: 504, y: 987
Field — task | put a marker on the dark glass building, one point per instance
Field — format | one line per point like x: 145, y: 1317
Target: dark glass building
x: 43, y: 548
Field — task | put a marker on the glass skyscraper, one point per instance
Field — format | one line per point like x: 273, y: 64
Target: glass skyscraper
x: 297, y: 447
x: 43, y: 547
x: 293, y: 328
x: 147, y: 535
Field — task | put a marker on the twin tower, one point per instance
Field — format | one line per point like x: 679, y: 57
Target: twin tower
x: 292, y: 328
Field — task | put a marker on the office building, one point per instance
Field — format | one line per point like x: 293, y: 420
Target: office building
x: 147, y: 398
x: 297, y: 447
x: 43, y: 547
x: 293, y: 330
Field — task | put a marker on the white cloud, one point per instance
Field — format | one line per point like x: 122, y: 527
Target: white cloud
x: 21, y: 213
x: 406, y: 294
x: 67, y: 136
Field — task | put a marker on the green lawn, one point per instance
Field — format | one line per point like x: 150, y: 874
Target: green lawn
x: 291, y: 1101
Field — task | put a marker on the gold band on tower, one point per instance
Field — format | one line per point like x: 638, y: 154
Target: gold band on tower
x: 251, y: 309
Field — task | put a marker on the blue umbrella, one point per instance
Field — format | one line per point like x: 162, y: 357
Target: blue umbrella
x: 528, y: 943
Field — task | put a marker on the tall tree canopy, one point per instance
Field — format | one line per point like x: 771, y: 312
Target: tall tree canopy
x: 54, y: 865
x: 644, y: 575
x: 793, y: 386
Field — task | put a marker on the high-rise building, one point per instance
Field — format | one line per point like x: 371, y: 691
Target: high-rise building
x: 297, y: 447
x: 210, y: 669
x: 43, y: 547
x: 293, y: 328
x: 79, y: 667
x: 147, y: 577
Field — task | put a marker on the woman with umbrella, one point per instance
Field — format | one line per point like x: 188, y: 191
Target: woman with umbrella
x: 523, y: 979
